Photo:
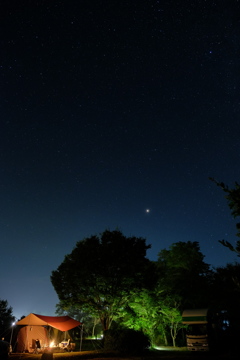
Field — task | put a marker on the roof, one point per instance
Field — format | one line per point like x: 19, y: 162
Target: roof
x: 63, y: 323
x: 195, y: 316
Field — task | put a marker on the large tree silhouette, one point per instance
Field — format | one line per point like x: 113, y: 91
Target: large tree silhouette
x: 183, y: 273
x: 6, y: 317
x: 101, y: 272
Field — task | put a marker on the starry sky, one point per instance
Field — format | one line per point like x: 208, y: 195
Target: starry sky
x: 107, y: 109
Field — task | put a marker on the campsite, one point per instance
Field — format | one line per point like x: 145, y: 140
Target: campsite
x: 51, y: 332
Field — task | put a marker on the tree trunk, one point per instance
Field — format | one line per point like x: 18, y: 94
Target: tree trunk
x: 165, y: 338
x: 95, y: 321
x: 173, y: 335
x: 106, y: 322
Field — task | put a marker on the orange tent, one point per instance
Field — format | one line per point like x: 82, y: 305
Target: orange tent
x: 35, y: 326
x: 27, y: 336
x: 63, y: 323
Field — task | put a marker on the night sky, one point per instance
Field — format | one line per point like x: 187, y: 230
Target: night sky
x: 107, y: 109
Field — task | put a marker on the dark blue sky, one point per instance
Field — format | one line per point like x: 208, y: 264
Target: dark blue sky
x: 110, y: 108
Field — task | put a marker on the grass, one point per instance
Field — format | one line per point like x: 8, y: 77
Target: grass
x: 91, y: 350
x: 151, y: 355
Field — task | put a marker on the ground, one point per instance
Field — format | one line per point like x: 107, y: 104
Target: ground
x: 156, y: 355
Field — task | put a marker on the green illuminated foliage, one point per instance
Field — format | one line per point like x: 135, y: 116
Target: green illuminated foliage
x: 154, y: 313
x: 142, y: 313
x: 172, y: 317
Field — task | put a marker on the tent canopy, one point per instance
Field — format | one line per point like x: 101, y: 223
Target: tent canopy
x: 63, y: 323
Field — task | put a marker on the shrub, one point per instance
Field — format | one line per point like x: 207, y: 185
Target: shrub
x: 126, y: 341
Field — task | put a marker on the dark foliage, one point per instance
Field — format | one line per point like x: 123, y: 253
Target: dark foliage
x: 101, y: 272
x: 6, y: 318
x: 233, y: 199
x: 126, y: 341
x: 183, y: 274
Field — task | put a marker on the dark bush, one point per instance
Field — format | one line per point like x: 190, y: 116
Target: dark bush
x: 126, y: 341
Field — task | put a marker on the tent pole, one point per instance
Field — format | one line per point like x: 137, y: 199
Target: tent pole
x: 11, y: 335
x: 81, y: 336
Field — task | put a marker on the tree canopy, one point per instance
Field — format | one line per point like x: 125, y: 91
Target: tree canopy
x: 183, y: 273
x: 233, y: 199
x: 183, y: 281
x: 101, y: 272
x: 6, y: 316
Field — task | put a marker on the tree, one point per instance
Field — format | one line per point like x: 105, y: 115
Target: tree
x: 154, y: 313
x: 172, y: 317
x: 226, y: 299
x: 226, y: 287
x: 233, y: 199
x: 142, y: 313
x: 101, y: 272
x: 6, y: 316
x: 183, y: 273
x: 90, y: 322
